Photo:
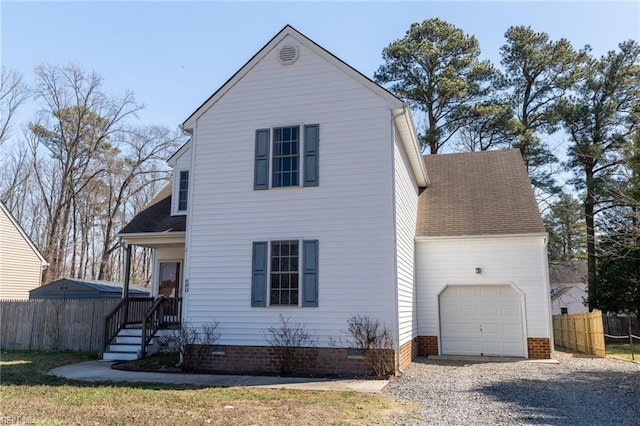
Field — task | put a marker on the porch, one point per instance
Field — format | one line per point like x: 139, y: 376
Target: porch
x: 130, y: 328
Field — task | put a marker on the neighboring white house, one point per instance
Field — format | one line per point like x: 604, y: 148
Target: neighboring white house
x: 568, y: 280
x: 303, y: 193
x: 21, y: 263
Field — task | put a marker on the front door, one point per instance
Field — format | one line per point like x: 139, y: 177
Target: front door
x: 169, y: 279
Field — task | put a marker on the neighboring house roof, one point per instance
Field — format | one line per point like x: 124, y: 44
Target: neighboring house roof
x: 24, y: 235
x: 156, y: 216
x: 572, y: 271
x: 478, y: 193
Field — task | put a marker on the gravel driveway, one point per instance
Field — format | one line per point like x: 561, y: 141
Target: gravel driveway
x: 577, y: 391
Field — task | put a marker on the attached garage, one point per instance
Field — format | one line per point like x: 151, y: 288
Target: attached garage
x: 482, y: 278
x: 482, y: 320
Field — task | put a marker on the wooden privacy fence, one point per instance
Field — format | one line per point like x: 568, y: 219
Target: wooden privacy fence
x: 616, y: 328
x: 580, y: 332
x: 54, y: 324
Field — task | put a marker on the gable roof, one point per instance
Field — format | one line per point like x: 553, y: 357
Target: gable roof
x: 400, y: 109
x: 288, y: 30
x: 478, y: 193
x: 24, y: 235
x: 156, y: 216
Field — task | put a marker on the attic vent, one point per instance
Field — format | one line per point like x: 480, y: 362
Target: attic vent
x: 288, y: 54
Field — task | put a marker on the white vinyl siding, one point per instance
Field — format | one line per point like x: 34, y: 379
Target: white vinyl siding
x: 350, y: 212
x: 406, y: 205
x: 20, y: 266
x: 517, y: 261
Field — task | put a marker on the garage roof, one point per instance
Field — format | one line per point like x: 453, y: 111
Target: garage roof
x: 478, y: 193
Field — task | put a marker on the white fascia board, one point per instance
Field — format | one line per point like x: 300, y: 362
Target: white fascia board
x: 542, y: 235
x: 403, y: 121
x: 153, y: 238
x: 176, y: 155
x: 288, y: 31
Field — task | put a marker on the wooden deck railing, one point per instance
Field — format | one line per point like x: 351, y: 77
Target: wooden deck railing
x: 129, y: 311
x: 166, y: 312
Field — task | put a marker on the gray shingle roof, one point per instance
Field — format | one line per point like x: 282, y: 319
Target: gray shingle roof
x: 156, y: 216
x: 478, y: 193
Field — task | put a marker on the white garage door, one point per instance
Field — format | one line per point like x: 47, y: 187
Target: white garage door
x: 481, y: 320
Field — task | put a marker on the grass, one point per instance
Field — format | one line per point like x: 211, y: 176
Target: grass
x: 623, y: 350
x: 30, y: 395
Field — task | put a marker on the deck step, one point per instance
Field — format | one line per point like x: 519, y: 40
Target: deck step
x: 119, y: 356
x: 124, y: 347
x: 130, y: 332
x: 128, y: 340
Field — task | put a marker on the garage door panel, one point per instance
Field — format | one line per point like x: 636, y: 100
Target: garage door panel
x: 481, y: 320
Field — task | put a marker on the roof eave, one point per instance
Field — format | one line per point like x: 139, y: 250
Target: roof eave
x: 403, y: 121
x: 174, y: 157
x: 482, y: 236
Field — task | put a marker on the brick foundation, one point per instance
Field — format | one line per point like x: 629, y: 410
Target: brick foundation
x: 427, y: 345
x: 408, y: 352
x: 539, y: 347
x: 264, y: 359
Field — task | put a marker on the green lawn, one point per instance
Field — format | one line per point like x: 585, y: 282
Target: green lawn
x: 29, y: 395
x: 623, y: 350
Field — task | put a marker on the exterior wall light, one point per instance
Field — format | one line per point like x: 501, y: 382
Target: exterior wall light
x: 478, y: 270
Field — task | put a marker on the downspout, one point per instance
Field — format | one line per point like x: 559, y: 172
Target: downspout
x: 545, y: 272
x: 395, y: 237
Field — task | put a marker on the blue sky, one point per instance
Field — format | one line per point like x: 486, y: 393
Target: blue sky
x: 173, y: 55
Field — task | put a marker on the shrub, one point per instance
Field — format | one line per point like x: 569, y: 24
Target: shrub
x: 291, y: 340
x: 374, y: 340
x: 191, y: 343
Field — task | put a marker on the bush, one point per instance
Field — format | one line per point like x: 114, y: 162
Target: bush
x: 290, y: 340
x: 374, y: 340
x: 192, y: 344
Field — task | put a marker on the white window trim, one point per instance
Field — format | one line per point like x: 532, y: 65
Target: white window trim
x: 300, y: 258
x: 176, y: 195
x: 300, y: 184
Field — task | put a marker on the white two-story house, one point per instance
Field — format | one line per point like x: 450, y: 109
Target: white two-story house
x: 303, y: 193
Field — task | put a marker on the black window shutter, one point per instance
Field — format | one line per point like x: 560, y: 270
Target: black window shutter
x: 259, y: 274
x: 311, y: 154
x: 261, y: 173
x: 310, y: 273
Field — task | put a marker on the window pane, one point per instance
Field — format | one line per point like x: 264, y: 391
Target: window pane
x: 275, y: 297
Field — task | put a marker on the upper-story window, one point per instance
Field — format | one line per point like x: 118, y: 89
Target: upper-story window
x: 287, y: 157
x: 183, y: 190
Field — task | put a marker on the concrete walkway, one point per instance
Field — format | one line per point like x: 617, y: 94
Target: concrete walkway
x: 101, y: 371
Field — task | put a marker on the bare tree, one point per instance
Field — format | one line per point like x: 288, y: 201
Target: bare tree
x: 137, y: 164
x: 76, y: 126
x: 13, y: 92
